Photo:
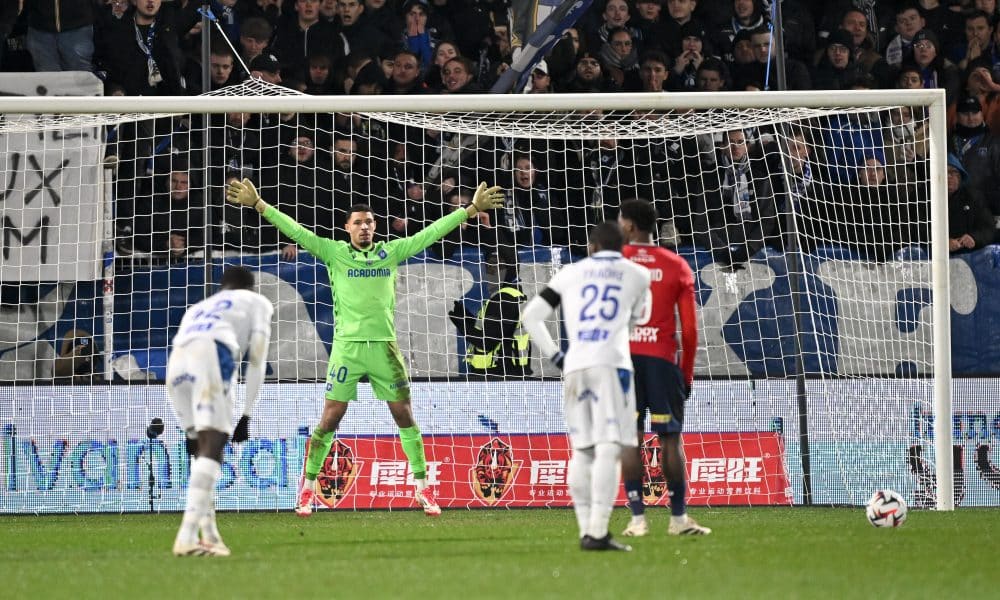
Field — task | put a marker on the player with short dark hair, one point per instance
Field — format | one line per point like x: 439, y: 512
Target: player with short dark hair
x: 661, y: 387
x: 600, y: 296
x: 363, y: 277
x: 213, y: 336
x: 237, y: 278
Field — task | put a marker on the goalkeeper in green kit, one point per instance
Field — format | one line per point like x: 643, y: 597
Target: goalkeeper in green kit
x: 363, y: 277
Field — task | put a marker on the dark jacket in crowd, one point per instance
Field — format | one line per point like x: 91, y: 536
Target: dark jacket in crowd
x: 739, y: 212
x: 187, y: 220
x: 386, y: 19
x: 968, y: 214
x: 877, y: 220
x: 610, y: 177
x: 796, y: 75
x: 364, y: 37
x: 302, y: 199
x: 293, y: 45
x: 524, y: 218
x: 979, y: 151
x: 471, y: 25
x: 118, y: 55
x: 59, y: 15
x: 825, y: 76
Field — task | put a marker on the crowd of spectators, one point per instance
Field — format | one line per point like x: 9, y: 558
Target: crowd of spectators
x: 867, y: 171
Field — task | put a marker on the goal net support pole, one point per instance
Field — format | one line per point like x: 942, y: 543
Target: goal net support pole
x: 941, y: 279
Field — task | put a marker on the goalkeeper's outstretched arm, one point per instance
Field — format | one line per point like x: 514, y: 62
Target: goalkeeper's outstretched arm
x: 245, y: 193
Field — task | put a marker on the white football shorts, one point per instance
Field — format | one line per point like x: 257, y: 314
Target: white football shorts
x: 199, y: 377
x: 599, y: 403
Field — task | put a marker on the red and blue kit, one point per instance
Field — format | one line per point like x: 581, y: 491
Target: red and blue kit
x: 672, y: 286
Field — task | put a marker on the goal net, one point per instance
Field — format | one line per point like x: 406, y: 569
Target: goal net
x: 821, y: 288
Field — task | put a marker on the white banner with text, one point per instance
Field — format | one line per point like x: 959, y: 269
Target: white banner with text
x: 50, y: 187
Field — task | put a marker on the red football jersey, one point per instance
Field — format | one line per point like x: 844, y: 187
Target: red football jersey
x: 672, y: 286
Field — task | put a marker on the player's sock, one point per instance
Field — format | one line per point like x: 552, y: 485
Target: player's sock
x: 413, y: 448
x: 633, y: 495
x: 603, y: 487
x: 209, y: 528
x: 678, y: 498
x: 578, y: 479
x: 319, y: 447
x: 205, y: 473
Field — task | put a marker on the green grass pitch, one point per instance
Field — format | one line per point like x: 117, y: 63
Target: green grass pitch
x: 530, y: 554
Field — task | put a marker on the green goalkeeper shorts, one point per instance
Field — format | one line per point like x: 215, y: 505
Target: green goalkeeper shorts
x: 380, y: 361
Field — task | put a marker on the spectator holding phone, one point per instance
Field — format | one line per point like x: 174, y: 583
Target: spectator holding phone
x: 76, y: 358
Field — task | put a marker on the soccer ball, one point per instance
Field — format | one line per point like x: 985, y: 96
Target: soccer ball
x: 886, y: 509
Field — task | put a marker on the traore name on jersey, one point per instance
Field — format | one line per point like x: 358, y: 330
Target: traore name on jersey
x: 604, y: 272
x: 600, y: 296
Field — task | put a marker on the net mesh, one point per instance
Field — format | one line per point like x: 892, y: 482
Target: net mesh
x: 599, y: 124
x: 807, y: 230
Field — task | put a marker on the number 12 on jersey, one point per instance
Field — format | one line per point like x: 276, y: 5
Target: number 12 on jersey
x: 204, y: 320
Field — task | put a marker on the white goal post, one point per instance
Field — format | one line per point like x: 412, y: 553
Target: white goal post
x: 845, y: 325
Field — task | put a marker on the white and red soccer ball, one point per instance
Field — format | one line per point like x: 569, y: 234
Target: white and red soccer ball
x: 886, y: 509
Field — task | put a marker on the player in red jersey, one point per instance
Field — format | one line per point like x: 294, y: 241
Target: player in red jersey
x: 662, y: 383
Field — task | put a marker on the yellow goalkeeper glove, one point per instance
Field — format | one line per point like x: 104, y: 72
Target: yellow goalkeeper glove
x: 488, y: 198
x: 244, y: 193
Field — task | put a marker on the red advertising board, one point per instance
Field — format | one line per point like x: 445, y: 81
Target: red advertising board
x: 746, y: 468
x: 530, y: 470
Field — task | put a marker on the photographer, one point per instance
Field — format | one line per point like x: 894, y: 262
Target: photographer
x: 76, y: 358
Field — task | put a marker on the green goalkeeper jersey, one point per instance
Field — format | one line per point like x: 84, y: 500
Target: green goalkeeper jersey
x: 364, y: 281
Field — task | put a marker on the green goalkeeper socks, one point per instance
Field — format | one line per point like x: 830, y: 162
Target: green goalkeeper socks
x: 319, y: 447
x: 413, y: 447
